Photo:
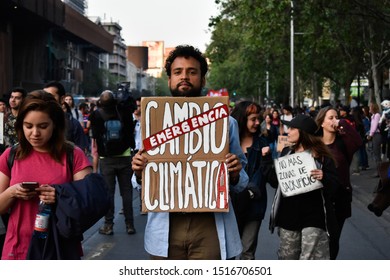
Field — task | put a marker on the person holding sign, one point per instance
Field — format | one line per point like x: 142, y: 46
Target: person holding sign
x: 304, y: 215
x: 250, y: 205
x: 343, y: 140
x: 194, y: 235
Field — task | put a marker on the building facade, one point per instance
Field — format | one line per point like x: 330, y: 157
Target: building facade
x: 117, y: 62
x: 80, y: 6
x: 155, y: 57
x: 52, y: 42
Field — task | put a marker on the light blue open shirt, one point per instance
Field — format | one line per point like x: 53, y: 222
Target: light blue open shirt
x: 157, y: 228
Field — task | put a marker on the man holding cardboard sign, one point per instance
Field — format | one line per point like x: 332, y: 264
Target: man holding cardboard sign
x: 177, y: 227
x: 186, y: 168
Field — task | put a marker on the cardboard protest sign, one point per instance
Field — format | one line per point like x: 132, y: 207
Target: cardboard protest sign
x: 293, y: 172
x: 186, y: 141
x: 282, y: 143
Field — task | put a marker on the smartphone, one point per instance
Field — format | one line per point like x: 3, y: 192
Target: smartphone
x: 30, y: 185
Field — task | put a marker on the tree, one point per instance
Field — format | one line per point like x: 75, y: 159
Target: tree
x: 239, y: 54
x: 162, y: 88
x: 334, y: 40
x: 98, y: 81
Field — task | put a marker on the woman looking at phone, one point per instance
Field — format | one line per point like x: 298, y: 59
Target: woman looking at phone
x: 40, y: 157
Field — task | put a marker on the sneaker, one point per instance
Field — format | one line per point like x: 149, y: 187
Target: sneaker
x: 355, y: 173
x: 121, y: 212
x: 130, y: 229
x: 106, y: 229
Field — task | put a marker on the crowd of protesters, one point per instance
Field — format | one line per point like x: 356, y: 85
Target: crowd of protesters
x: 309, y: 224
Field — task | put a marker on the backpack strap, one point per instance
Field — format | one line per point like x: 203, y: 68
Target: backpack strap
x: 11, y: 157
x: 70, y: 157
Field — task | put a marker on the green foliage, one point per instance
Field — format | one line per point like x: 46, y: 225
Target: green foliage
x: 335, y: 40
x: 98, y: 81
x: 162, y: 88
x: 93, y: 84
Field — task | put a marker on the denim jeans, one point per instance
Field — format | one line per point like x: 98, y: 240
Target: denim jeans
x: 118, y: 168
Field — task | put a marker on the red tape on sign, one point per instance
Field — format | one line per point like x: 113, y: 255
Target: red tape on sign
x: 185, y: 126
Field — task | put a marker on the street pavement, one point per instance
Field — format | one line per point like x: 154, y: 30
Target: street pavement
x: 365, y: 236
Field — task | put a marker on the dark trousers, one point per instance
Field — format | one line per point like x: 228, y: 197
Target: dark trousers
x: 385, y: 149
x: 334, y: 240
x: 363, y: 157
x: 118, y: 168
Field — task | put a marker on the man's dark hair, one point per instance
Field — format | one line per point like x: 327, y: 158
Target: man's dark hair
x: 21, y: 90
x: 60, y: 88
x: 67, y: 107
x: 83, y: 105
x: 186, y: 51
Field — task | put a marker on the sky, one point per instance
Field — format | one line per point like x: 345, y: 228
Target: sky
x: 172, y: 21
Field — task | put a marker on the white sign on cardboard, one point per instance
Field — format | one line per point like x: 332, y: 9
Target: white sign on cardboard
x: 185, y: 142
x: 293, y: 172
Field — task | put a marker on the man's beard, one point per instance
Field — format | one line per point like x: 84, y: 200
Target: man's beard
x: 192, y: 92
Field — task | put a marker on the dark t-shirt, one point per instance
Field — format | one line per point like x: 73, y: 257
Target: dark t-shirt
x: 97, y: 119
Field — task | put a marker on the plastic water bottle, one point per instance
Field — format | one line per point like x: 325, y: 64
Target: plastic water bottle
x: 41, y: 226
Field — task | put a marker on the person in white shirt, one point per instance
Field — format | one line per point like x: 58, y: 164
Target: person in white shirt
x: 286, y: 116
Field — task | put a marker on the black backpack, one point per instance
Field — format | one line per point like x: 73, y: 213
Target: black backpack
x: 112, y: 140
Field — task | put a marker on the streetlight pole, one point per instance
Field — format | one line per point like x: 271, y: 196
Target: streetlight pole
x: 292, y: 56
x: 267, y: 84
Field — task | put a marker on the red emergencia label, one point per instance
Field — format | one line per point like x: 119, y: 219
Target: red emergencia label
x: 185, y: 126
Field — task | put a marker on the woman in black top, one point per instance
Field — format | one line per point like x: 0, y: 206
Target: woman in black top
x: 343, y: 140
x: 305, y: 220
